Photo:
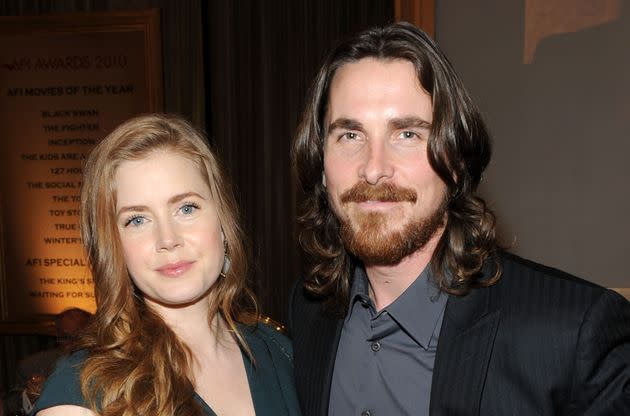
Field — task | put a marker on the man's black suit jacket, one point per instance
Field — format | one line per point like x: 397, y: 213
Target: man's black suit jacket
x: 538, y: 342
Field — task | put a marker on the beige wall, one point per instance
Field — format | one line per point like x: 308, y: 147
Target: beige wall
x: 561, y: 124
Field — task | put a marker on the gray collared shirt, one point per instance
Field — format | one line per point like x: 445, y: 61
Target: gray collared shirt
x: 385, y: 359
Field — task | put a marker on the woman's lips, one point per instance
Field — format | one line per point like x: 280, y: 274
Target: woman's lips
x: 175, y: 269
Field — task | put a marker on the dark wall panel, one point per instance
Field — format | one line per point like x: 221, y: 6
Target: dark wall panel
x: 262, y: 57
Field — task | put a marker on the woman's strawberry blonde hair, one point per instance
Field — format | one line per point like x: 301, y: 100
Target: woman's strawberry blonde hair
x: 135, y: 364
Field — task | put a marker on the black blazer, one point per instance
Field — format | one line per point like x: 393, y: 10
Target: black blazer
x: 539, y: 342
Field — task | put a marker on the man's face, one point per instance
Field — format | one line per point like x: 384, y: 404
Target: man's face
x: 381, y: 187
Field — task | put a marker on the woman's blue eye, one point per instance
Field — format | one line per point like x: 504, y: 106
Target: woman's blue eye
x: 188, y: 209
x: 135, y: 221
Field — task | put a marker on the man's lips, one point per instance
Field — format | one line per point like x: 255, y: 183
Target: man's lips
x: 377, y: 205
x: 175, y: 269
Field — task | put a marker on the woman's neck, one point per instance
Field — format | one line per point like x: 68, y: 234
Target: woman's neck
x: 190, y: 324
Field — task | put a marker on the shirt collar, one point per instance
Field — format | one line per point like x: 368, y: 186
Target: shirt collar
x: 359, y: 291
x: 417, y: 310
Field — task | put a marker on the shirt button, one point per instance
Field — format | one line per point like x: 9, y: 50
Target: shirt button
x: 366, y: 413
x: 376, y: 346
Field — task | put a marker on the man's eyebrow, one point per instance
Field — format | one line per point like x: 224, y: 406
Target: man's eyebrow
x: 345, y: 124
x: 172, y: 200
x: 408, y: 122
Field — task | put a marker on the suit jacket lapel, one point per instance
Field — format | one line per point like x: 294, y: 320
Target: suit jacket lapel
x: 315, y: 360
x: 330, y: 333
x: 464, y: 349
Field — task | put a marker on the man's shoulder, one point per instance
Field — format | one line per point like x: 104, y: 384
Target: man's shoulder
x: 529, y: 285
x: 517, y: 270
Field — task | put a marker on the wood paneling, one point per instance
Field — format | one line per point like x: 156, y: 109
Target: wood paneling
x: 419, y: 12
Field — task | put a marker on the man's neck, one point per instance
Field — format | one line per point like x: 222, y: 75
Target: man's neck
x: 387, y: 283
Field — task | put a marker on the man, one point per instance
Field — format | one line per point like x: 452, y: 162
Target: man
x: 33, y: 370
x: 408, y: 306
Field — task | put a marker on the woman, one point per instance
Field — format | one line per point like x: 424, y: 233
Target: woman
x: 169, y: 336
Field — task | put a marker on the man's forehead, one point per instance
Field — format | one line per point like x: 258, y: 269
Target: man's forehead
x: 367, y: 63
x: 351, y: 74
x: 352, y: 83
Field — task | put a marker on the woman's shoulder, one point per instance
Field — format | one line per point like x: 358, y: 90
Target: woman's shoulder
x: 273, y: 365
x: 63, y: 387
x: 67, y: 370
x: 270, y: 333
x: 71, y: 362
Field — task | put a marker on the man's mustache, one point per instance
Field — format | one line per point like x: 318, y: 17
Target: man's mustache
x: 386, y: 192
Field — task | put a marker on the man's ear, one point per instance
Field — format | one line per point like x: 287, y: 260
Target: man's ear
x: 324, y: 178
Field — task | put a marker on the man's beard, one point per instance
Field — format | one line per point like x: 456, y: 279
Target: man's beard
x: 371, y: 241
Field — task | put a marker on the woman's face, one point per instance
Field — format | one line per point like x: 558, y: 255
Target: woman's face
x: 169, y: 228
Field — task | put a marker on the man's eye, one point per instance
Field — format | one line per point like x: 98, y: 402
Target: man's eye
x: 135, y: 221
x: 407, y: 135
x: 350, y: 136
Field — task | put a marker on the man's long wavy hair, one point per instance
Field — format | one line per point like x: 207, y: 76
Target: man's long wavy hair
x: 136, y: 364
x: 459, y: 150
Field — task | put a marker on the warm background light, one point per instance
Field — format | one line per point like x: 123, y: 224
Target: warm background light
x: 544, y: 18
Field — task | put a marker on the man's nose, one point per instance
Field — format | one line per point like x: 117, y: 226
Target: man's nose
x: 377, y: 164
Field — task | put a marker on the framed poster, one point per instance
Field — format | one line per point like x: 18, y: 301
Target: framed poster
x: 65, y: 82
